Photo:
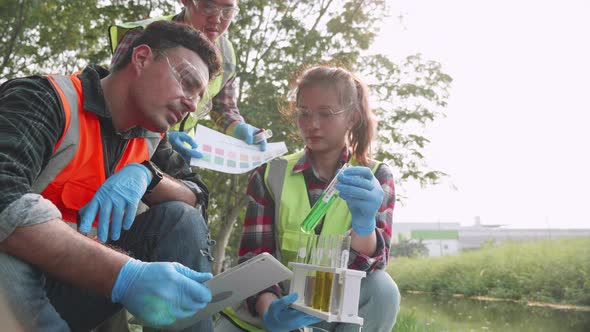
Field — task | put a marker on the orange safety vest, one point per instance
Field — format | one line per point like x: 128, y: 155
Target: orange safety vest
x: 76, y: 168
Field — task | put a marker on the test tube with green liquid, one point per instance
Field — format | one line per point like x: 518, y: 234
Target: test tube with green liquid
x: 322, y: 204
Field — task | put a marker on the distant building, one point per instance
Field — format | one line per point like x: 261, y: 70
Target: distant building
x: 449, y: 238
x: 440, y: 238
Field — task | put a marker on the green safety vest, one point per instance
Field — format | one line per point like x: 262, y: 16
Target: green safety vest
x: 228, y: 63
x: 292, y: 206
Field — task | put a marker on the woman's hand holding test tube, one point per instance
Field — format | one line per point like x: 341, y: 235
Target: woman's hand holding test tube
x: 363, y: 195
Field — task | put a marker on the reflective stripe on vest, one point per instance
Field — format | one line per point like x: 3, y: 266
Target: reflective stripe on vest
x: 292, y: 206
x: 226, y: 51
x: 76, y: 169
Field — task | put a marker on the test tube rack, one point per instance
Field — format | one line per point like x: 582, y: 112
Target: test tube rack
x: 345, y: 292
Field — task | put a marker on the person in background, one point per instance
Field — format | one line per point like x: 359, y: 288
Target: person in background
x: 213, y: 18
x: 332, y: 112
x: 79, y: 152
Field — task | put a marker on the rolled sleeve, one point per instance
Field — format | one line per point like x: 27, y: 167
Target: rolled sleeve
x: 225, y: 112
x: 384, y: 222
x: 29, y: 210
x: 258, y: 233
x: 32, y: 122
x: 378, y: 261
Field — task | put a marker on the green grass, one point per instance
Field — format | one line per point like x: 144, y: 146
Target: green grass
x: 407, y: 322
x: 556, y: 271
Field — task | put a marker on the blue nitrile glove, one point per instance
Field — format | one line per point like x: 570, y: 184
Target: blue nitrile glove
x: 246, y: 133
x: 117, y: 196
x: 160, y: 293
x: 280, y: 317
x: 177, y: 139
x: 363, y: 195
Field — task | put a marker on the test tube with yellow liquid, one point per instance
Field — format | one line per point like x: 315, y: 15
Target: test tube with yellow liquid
x: 305, y: 255
x: 317, y: 290
x: 327, y: 260
x: 322, y: 204
x: 324, y: 279
x: 326, y: 296
x: 316, y: 301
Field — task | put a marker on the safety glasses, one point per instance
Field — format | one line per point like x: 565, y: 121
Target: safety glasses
x: 190, y: 81
x: 209, y: 8
x: 323, y: 114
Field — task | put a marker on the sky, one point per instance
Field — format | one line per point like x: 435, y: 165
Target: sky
x: 515, y: 140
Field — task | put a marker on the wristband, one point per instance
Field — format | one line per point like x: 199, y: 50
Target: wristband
x: 157, y: 175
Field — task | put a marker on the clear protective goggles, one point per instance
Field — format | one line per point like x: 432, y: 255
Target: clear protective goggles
x: 209, y: 8
x: 192, y: 83
x: 322, y: 114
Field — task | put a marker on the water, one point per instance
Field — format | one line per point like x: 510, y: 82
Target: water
x: 458, y: 315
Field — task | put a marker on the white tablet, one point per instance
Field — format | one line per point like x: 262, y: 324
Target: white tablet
x: 237, y: 284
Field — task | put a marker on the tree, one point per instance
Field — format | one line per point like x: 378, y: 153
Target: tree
x: 273, y: 41
x: 61, y: 36
x: 408, y: 248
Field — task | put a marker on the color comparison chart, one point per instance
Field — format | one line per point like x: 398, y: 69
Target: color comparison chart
x: 229, y: 155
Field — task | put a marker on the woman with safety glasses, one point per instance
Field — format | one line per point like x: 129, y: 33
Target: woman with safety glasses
x: 331, y: 109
